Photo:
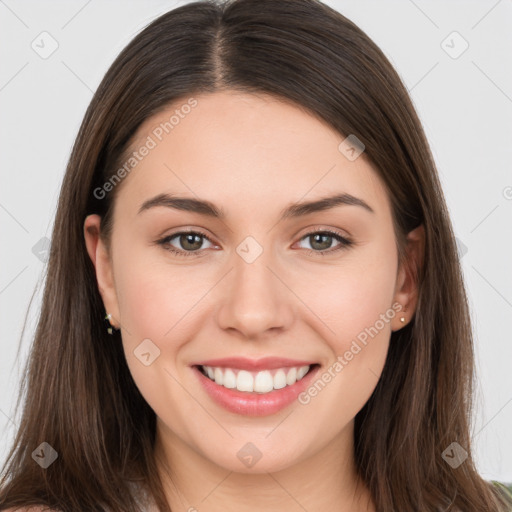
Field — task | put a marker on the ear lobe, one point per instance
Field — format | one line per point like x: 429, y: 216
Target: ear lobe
x: 102, y: 262
x: 407, y: 285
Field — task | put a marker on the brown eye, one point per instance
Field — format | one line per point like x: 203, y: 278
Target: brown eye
x: 321, y: 242
x: 190, y: 241
x: 184, y: 243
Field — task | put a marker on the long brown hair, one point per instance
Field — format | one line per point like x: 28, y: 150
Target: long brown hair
x: 79, y: 396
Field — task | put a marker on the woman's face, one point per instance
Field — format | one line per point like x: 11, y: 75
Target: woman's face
x: 251, y: 282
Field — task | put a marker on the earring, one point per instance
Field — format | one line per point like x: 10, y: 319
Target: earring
x: 111, y: 328
x: 402, y: 318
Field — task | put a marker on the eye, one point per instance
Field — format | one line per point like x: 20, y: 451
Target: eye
x: 190, y: 242
x: 322, y: 240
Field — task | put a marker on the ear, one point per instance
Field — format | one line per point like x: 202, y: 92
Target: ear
x: 102, y: 262
x: 406, y: 288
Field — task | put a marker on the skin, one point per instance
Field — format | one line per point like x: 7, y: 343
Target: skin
x: 252, y: 155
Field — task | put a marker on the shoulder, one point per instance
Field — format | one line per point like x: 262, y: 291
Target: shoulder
x: 506, y: 488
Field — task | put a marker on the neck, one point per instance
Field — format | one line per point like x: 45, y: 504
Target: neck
x: 192, y: 482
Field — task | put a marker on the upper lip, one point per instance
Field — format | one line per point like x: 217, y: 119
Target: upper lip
x: 265, y: 363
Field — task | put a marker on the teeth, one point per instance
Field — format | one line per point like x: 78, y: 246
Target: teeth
x: 291, y: 377
x: 279, y: 379
x: 244, y: 381
x: 219, y: 376
x: 229, y: 379
x: 302, y: 371
x: 263, y: 383
x: 259, y: 382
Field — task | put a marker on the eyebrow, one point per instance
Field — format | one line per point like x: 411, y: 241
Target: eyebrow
x: 293, y: 210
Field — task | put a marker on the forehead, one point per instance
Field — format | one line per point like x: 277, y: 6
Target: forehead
x: 244, y: 151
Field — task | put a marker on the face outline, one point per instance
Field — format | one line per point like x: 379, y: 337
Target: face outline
x: 263, y: 154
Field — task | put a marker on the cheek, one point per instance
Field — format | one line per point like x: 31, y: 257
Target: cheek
x: 355, y: 303
x: 154, y: 296
x: 156, y: 302
x: 351, y: 296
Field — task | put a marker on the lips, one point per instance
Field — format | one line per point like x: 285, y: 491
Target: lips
x: 251, y: 389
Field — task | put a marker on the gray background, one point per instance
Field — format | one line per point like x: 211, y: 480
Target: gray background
x: 464, y: 102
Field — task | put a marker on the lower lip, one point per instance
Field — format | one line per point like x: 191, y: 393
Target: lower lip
x: 254, y: 404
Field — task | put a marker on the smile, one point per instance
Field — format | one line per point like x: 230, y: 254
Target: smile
x: 260, y: 382
x: 254, y: 388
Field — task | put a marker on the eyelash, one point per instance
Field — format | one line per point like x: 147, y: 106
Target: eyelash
x: 344, y: 242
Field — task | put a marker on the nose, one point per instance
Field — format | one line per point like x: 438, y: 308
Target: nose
x: 254, y: 299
